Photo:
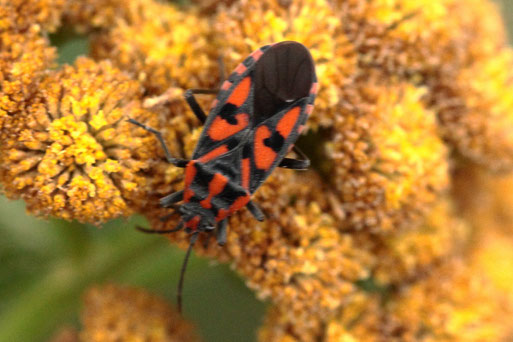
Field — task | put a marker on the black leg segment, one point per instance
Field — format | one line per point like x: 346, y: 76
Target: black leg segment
x: 195, y: 107
x: 167, y: 201
x: 175, y: 161
x: 221, y: 232
x: 255, y: 211
x: 296, y: 164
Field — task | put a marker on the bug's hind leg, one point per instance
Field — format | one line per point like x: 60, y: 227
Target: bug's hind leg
x: 170, y: 159
x: 296, y: 164
x: 221, y: 232
x: 255, y: 211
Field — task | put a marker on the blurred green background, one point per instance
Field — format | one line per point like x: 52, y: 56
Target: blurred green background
x: 47, y: 265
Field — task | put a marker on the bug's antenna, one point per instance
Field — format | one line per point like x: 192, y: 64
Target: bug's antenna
x: 194, y: 237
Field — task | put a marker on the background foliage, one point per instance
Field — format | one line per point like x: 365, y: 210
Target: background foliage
x: 46, y: 265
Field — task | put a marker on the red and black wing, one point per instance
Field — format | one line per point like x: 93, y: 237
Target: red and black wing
x: 285, y: 86
x: 231, y: 116
x: 259, y: 113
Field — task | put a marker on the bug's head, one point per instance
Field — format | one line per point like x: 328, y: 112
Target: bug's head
x: 197, y: 218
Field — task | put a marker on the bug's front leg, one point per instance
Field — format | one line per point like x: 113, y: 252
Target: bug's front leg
x: 221, y: 232
x: 175, y: 161
x: 255, y: 211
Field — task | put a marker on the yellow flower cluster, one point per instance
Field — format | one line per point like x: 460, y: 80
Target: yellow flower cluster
x: 113, y: 313
x: 26, y: 13
x: 389, y: 164
x: 454, y: 302
x: 77, y: 157
x: 372, y: 244
x: 170, y: 52
x: 25, y: 55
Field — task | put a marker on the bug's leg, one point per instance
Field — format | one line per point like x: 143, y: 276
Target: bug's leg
x: 168, y: 200
x: 296, y: 164
x: 207, y: 240
x: 255, y: 211
x: 195, y: 107
x: 221, y: 232
x: 191, y: 99
x: 151, y: 231
x: 175, y: 161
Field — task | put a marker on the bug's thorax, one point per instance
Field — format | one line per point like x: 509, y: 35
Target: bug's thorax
x: 209, y: 196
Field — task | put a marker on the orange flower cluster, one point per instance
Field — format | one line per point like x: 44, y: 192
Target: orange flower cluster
x: 372, y: 244
x: 114, y: 313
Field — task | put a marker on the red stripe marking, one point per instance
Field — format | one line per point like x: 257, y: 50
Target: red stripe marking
x: 220, y: 129
x: 256, y: 54
x: 309, y: 109
x: 221, y: 214
x: 215, y: 187
x: 239, y: 203
x: 245, y: 173
x: 314, y: 88
x: 190, y: 173
x: 287, y: 122
x: 216, y: 152
x: 193, y: 223
x: 187, y: 195
x: 240, y: 69
x: 240, y: 93
x: 264, y: 156
x: 236, y: 205
x: 226, y: 85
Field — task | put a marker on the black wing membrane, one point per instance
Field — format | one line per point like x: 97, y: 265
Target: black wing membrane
x: 283, y: 81
x: 284, y: 74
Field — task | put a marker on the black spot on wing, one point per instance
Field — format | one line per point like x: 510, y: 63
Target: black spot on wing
x: 227, y: 113
x: 246, y: 150
x: 275, y: 141
x: 283, y: 74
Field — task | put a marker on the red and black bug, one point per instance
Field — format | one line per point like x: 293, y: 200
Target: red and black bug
x: 257, y: 116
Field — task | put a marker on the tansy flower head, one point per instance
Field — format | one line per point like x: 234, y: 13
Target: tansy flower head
x: 454, y: 303
x: 24, y: 57
x: 389, y: 164
x: 416, y: 251
x: 493, y: 254
x: 102, y: 15
x: 297, y: 256
x: 77, y: 156
x: 358, y: 321
x: 484, y: 198
x: 476, y: 111
x: 244, y: 26
x: 45, y: 13
x: 172, y: 51
x: 114, y: 313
